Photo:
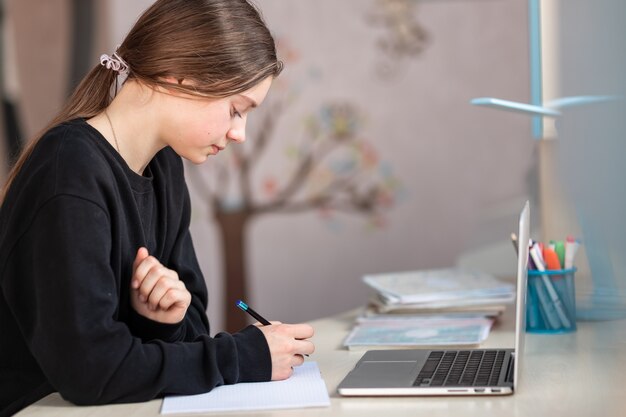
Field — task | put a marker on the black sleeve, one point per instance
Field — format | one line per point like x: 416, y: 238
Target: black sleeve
x: 66, y: 301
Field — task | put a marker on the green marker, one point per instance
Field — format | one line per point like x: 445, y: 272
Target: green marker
x: 559, y: 248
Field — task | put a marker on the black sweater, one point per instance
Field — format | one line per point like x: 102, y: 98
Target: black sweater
x: 70, y: 228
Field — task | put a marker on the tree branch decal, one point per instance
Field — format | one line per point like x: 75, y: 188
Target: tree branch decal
x: 334, y: 170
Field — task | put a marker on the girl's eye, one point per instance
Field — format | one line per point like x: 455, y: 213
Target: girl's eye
x: 235, y: 113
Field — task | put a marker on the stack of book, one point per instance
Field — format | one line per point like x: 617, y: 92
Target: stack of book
x: 452, y: 307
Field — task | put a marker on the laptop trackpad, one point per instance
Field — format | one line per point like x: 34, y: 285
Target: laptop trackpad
x: 393, y: 372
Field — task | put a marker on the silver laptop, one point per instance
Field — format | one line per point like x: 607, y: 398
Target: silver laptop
x: 415, y: 372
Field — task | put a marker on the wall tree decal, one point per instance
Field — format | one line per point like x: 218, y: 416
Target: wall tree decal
x: 403, y: 36
x: 333, y: 170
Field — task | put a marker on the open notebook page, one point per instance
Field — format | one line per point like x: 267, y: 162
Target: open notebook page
x: 305, y: 388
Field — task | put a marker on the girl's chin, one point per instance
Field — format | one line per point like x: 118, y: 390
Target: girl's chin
x: 197, y: 159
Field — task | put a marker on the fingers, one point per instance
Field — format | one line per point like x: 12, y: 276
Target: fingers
x: 297, y: 331
x: 288, y: 344
x: 304, y: 347
x: 152, y: 279
x: 297, y: 360
x: 165, y: 294
x: 300, y: 331
x: 149, y: 268
x: 158, y: 293
x: 156, y: 282
x: 142, y: 254
x: 280, y: 373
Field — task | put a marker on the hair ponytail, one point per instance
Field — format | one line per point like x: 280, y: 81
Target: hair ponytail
x: 90, y: 97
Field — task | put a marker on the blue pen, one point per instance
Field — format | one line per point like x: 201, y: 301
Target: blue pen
x: 245, y: 307
x: 253, y: 313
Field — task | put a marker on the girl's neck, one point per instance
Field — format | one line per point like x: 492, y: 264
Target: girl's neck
x: 132, y: 125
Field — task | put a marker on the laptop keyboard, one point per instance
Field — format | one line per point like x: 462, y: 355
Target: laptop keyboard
x: 461, y: 368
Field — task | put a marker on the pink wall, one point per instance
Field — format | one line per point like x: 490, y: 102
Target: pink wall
x: 459, y: 171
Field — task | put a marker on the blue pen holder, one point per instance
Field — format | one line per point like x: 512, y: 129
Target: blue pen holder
x: 551, y: 301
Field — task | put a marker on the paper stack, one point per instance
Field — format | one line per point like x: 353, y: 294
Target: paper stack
x: 452, y: 307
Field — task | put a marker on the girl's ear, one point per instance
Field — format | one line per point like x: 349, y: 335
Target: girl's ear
x: 173, y: 80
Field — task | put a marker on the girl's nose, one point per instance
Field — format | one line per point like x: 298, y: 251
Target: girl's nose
x: 237, y: 133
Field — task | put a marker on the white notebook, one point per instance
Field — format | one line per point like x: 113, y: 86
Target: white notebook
x: 305, y: 388
x: 439, y: 285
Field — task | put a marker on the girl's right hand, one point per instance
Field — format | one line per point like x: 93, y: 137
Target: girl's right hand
x: 156, y: 292
x: 288, y: 344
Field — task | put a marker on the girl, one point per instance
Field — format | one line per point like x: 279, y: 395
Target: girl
x: 102, y: 298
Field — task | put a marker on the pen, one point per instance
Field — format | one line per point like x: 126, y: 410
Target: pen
x: 535, y: 253
x: 559, y: 281
x: 253, y: 313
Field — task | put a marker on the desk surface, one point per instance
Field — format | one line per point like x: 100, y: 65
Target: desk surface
x: 576, y: 374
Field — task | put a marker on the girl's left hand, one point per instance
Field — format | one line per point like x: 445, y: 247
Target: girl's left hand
x: 156, y: 292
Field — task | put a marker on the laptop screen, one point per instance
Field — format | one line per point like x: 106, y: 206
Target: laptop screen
x: 520, y: 307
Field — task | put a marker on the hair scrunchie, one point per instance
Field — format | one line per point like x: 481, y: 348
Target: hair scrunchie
x: 115, y: 63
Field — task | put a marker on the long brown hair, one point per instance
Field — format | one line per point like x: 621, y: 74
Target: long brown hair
x: 222, y: 47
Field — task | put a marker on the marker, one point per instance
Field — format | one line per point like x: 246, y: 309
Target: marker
x: 551, y: 259
x: 535, y: 253
x: 560, y: 282
x: 571, y: 246
x: 253, y: 313
x: 559, y: 248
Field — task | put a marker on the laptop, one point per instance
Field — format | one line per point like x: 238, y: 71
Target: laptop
x: 429, y: 372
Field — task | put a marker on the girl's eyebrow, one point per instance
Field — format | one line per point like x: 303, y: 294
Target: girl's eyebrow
x: 251, y: 102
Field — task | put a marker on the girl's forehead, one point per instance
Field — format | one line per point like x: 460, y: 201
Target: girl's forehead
x: 255, y: 95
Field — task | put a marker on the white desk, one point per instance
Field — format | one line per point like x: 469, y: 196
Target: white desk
x: 570, y: 375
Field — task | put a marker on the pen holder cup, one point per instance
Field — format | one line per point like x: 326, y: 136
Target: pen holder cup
x: 551, y: 301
